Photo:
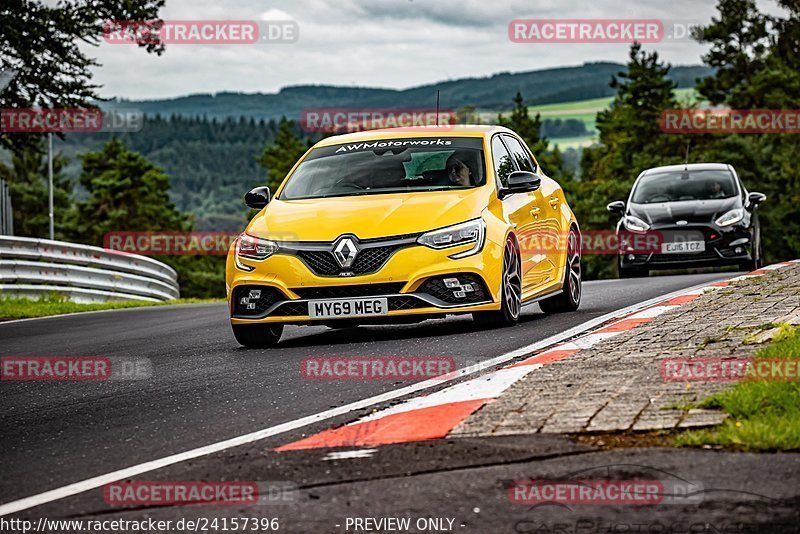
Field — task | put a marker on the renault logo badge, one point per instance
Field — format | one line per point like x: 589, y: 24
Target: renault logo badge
x: 345, y: 251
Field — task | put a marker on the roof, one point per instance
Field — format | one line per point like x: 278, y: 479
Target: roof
x: 691, y: 167
x: 459, y: 130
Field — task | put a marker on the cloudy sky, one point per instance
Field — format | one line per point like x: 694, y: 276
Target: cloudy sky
x: 377, y: 43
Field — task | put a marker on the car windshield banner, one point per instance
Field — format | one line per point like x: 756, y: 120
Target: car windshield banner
x: 395, y: 146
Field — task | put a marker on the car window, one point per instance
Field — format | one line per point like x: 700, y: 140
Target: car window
x: 520, y: 154
x: 676, y: 186
x: 503, y: 164
x: 387, y: 166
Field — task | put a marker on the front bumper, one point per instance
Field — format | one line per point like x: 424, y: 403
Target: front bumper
x: 722, y: 247
x: 411, y: 280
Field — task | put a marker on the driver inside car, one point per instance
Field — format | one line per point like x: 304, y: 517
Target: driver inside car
x: 714, y: 190
x: 458, y: 172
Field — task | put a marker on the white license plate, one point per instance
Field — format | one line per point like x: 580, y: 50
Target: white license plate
x: 683, y: 247
x: 348, y: 307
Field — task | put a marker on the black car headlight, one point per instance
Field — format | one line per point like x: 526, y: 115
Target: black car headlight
x: 732, y: 217
x: 635, y: 224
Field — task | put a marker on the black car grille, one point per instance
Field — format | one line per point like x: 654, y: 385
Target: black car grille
x: 338, y: 292
x: 368, y: 260
x: 436, y: 288
x: 253, y: 301
x: 678, y: 258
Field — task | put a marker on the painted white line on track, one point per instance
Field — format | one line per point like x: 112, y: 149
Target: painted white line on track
x: 135, y: 470
x: 346, y: 455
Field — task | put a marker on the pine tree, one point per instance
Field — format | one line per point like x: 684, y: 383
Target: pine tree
x: 280, y: 157
x: 125, y: 193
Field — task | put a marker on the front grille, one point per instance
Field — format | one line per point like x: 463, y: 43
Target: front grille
x: 291, y: 309
x: 320, y: 262
x: 370, y: 260
x: 470, y: 289
x: 678, y: 258
x: 406, y: 303
x: 252, y: 301
x: 338, y: 292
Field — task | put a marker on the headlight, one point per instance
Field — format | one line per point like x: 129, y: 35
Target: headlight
x: 635, y: 224
x: 732, y: 217
x: 459, y: 234
x: 253, y: 248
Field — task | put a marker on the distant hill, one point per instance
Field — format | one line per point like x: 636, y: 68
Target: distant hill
x: 548, y: 86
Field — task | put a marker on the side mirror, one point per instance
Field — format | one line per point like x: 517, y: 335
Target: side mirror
x: 257, y: 197
x: 754, y: 199
x: 617, y: 206
x: 521, y: 182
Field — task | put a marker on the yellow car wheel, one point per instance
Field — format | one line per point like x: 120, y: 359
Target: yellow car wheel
x: 511, y: 291
x: 570, y: 297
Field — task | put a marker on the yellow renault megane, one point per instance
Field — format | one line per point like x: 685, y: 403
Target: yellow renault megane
x: 394, y: 226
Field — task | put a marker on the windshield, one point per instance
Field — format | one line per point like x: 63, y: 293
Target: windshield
x: 388, y: 166
x: 675, y: 186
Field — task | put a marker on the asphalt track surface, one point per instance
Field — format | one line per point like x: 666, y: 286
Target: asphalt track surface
x: 205, y: 389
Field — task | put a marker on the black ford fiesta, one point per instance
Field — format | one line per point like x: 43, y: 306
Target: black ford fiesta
x: 698, y: 215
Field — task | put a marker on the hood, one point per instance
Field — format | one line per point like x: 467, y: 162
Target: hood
x: 691, y: 211
x: 367, y: 216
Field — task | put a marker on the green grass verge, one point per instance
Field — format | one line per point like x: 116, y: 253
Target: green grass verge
x: 762, y: 415
x: 18, y: 308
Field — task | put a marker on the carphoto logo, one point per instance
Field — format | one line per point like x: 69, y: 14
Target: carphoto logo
x: 591, y: 242
x: 215, y: 32
x: 74, y: 368
x: 586, y: 30
x: 728, y: 369
x: 730, y: 121
x: 376, y: 367
x: 342, y: 120
x: 70, y: 120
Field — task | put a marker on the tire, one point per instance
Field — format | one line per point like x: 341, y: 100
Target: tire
x: 570, y: 297
x: 257, y: 336
x: 754, y: 264
x: 510, y: 294
x: 633, y: 272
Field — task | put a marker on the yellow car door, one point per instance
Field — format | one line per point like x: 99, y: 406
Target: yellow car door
x: 542, y: 234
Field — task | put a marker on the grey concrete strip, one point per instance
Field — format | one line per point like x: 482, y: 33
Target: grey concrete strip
x: 616, y: 385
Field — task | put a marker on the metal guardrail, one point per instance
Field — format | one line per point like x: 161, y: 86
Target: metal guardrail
x: 37, y: 267
x: 6, y: 217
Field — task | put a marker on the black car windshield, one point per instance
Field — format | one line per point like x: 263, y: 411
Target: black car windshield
x: 388, y: 166
x: 675, y: 186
